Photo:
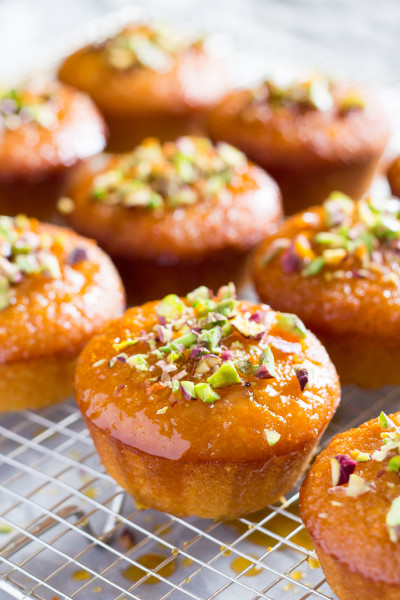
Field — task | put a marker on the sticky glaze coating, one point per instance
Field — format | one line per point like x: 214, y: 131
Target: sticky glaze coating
x: 45, y: 130
x: 351, y: 535
x: 205, y: 241
x: 140, y: 99
x: 352, y: 303
x: 50, y: 318
x: 309, y: 151
x: 189, y: 456
x: 394, y: 177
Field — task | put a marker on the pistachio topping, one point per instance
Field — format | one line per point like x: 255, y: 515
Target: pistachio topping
x: 142, y: 46
x: 24, y: 252
x: 343, y: 469
x: 271, y: 436
x: 393, y: 520
x: 171, y: 175
x: 314, y: 93
x: 18, y: 107
x: 202, y: 344
x: 355, y: 240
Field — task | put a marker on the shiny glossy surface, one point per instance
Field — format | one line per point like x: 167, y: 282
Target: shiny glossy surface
x: 236, y: 219
x: 194, y: 81
x: 32, y: 152
x: 332, y: 517
x: 341, y: 306
x: 288, y: 137
x: 121, y: 403
x: 57, y: 316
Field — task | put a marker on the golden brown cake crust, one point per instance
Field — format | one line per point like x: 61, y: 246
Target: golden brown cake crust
x: 32, y: 152
x: 349, y: 306
x: 194, y: 82
x: 237, y: 220
x: 230, y: 430
x: 58, y: 316
x: 235, y: 449
x: 287, y: 137
x: 351, y: 532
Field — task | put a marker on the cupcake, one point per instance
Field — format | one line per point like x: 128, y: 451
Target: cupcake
x: 148, y: 81
x: 313, y: 136
x: 337, y: 266
x: 206, y: 405
x: 350, y: 505
x: 46, y: 129
x: 175, y: 215
x: 56, y: 290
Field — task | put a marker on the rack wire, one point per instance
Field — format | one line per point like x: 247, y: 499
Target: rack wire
x: 68, y: 532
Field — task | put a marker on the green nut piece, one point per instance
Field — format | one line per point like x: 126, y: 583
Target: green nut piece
x: 200, y: 293
x: 138, y: 361
x: 291, y: 324
x: 314, y: 267
x: 394, y: 464
x: 170, y: 307
x: 188, y: 389
x: 205, y: 393
x: 226, y: 375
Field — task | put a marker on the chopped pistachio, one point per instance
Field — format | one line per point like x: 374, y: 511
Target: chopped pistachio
x: 357, y: 486
x: 187, y: 388
x: 170, y: 307
x: 393, y: 520
x: 99, y: 363
x: 291, y: 324
x: 200, y: 293
x: 394, y: 464
x: 383, y: 421
x: 249, y: 329
x: 352, y: 101
x: 205, y: 393
x: 266, y: 368
x: 271, y: 436
x: 138, y: 361
x: 335, y: 469
x: 313, y: 267
x: 226, y: 375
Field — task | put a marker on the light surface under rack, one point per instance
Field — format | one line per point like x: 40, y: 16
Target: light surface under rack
x: 67, y: 530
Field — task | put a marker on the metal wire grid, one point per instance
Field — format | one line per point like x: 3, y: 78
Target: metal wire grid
x: 63, y: 520
x: 67, y: 521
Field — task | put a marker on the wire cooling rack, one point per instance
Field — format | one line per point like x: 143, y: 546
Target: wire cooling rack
x: 67, y: 531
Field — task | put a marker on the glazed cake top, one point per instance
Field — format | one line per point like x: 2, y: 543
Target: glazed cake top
x: 208, y: 376
x: 21, y: 106
x: 145, y: 46
x: 317, y: 93
x: 343, y: 240
x: 169, y: 175
x: 26, y: 251
x: 353, y: 493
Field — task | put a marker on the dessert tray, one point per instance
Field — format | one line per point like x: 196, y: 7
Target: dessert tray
x: 67, y: 531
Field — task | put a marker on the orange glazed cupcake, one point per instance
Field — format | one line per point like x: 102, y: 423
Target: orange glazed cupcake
x: 175, y: 215
x: 206, y: 405
x: 337, y: 266
x: 56, y: 290
x: 312, y: 137
x: 350, y: 505
x: 148, y: 81
x: 46, y: 129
